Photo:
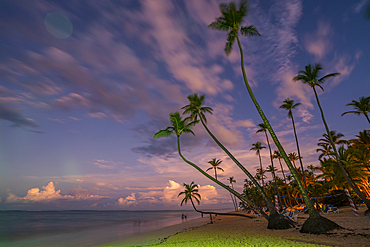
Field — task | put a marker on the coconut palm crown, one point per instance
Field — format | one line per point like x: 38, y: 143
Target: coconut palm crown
x: 230, y: 21
x: 191, y: 192
x: 195, y: 107
x: 360, y: 107
x: 215, y: 165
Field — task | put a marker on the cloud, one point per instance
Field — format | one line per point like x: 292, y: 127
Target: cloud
x: 107, y: 164
x: 128, y: 201
x: 99, y: 115
x: 13, y: 115
x: 319, y: 44
x: 48, y: 194
x: 358, y: 6
x: 56, y: 120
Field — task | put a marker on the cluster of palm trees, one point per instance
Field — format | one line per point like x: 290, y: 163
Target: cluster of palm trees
x: 232, y: 16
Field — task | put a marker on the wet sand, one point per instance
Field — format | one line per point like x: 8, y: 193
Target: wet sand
x: 240, y: 231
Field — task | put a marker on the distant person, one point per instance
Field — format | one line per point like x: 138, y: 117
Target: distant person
x: 185, y: 216
x: 182, y: 217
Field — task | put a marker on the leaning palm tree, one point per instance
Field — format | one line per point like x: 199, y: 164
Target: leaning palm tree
x: 191, y: 192
x: 361, y: 107
x: 310, y: 76
x: 231, y: 181
x: 230, y: 21
x: 289, y: 105
x: 180, y: 126
x: 215, y: 166
x: 196, y: 109
x: 263, y: 128
x: 258, y: 147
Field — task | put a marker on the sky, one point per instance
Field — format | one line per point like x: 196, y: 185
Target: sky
x: 84, y: 85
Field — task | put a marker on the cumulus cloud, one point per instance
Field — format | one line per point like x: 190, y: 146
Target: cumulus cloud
x: 127, y: 201
x: 47, y: 194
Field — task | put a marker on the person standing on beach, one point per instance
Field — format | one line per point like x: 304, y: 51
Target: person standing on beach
x: 182, y: 217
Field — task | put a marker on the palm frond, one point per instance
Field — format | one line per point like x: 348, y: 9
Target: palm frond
x: 229, y: 43
x: 163, y: 133
x: 249, y: 31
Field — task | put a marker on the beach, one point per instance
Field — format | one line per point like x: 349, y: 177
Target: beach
x: 240, y: 231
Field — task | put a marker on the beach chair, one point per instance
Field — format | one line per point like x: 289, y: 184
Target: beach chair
x: 333, y: 210
x: 360, y: 203
x: 292, y: 216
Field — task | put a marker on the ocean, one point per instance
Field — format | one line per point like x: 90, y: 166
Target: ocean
x: 80, y: 228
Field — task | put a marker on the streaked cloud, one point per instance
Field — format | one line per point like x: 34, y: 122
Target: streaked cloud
x: 318, y: 43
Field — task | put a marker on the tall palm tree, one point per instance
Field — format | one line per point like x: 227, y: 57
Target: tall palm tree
x: 325, y: 144
x: 361, y: 107
x: 191, y: 192
x: 310, y: 76
x: 263, y: 128
x: 289, y: 105
x: 215, y: 165
x: 230, y: 21
x: 231, y: 181
x: 196, y: 109
x: 278, y: 156
x: 293, y: 157
x: 258, y: 147
x: 180, y: 126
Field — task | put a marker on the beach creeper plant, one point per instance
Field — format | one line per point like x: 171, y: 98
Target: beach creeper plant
x: 230, y: 21
x: 196, y: 110
x: 289, y: 105
x: 180, y: 126
x: 191, y: 192
x: 310, y: 76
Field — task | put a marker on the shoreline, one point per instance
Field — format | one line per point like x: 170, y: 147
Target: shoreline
x: 240, y: 231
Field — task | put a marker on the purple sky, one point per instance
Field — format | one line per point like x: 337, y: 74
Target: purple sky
x: 84, y: 85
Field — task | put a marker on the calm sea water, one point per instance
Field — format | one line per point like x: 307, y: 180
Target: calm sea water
x: 80, y: 228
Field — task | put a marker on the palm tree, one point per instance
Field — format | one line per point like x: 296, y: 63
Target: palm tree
x: 215, y: 165
x: 230, y: 21
x: 325, y: 144
x: 180, y: 126
x: 289, y: 105
x: 196, y: 109
x: 278, y: 156
x: 191, y: 192
x: 232, y: 180
x: 257, y: 147
x: 263, y: 128
x: 310, y: 76
x: 293, y: 158
x: 361, y: 107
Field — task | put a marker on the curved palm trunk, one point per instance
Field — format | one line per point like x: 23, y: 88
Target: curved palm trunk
x: 367, y: 117
x: 273, y: 169
x: 230, y: 214
x: 263, y: 183
x: 299, y: 154
x: 268, y: 201
x: 349, y: 181
x: 310, y: 225
x: 255, y: 208
x: 276, y: 221
x: 236, y: 204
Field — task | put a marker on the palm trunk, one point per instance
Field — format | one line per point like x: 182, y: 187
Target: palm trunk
x: 367, y: 117
x: 349, y: 181
x: 263, y: 183
x: 273, y: 169
x: 255, y: 208
x: 236, y: 204
x: 230, y: 214
x: 299, y: 154
x: 268, y: 201
x: 215, y: 173
x: 310, y: 225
